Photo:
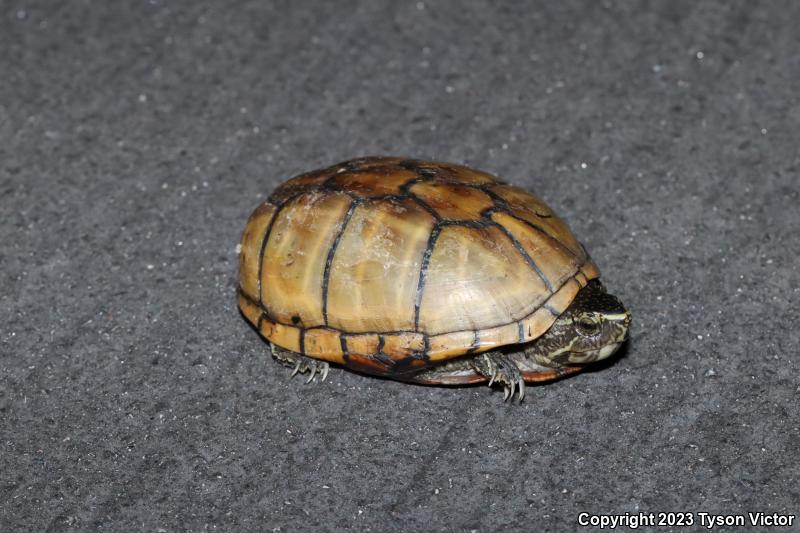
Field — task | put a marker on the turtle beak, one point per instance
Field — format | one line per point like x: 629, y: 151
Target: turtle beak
x: 626, y: 326
x: 591, y: 356
x: 622, y: 323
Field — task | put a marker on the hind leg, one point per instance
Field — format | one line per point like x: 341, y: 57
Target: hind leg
x: 300, y: 363
x: 500, y: 368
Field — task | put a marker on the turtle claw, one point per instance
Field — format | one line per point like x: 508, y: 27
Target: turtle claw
x: 301, y: 364
x: 508, y: 392
x: 500, y: 369
x: 296, y: 369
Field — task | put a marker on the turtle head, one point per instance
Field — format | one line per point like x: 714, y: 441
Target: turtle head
x: 591, y: 329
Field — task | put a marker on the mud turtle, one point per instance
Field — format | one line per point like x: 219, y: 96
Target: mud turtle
x: 423, y: 271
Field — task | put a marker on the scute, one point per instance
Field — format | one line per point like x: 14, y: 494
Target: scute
x: 381, y: 181
x: 291, y: 270
x: 529, y: 208
x: 374, y: 273
x: 389, y: 265
x: 477, y: 279
x: 451, y: 201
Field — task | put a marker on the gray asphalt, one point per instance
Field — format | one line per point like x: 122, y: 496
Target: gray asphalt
x: 135, y: 139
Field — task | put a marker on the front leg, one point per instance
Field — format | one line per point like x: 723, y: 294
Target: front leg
x: 300, y: 363
x: 499, y: 368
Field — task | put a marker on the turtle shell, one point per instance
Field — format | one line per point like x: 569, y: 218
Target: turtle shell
x: 390, y: 265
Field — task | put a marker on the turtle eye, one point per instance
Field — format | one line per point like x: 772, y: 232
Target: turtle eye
x: 587, y: 326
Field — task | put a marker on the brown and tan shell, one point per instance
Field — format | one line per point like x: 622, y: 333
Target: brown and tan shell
x: 390, y: 265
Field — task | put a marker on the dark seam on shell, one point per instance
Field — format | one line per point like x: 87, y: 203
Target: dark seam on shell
x: 543, y: 232
x: 423, y: 273
x: 343, y: 345
x: 475, y: 224
x: 528, y: 259
x: 503, y: 203
x: 329, y: 260
x: 476, y: 339
x: 425, y: 206
x: 263, y: 247
x: 550, y: 308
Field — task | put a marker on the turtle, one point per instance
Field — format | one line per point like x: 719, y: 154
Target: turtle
x: 426, y: 272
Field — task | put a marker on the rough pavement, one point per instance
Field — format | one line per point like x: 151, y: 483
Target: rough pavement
x: 135, y: 138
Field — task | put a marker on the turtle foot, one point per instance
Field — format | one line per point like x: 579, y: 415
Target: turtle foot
x: 301, y: 364
x: 499, y: 368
